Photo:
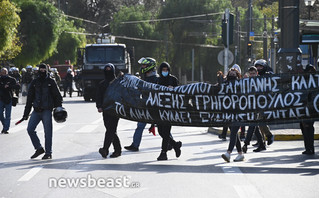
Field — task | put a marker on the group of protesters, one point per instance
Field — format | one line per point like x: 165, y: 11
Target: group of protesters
x: 148, y: 73
x: 261, y: 132
x: 44, y: 96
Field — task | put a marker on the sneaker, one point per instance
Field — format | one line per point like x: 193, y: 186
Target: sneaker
x: 162, y: 156
x: 104, y: 152
x: 244, y: 148
x: 239, y: 158
x: 116, y: 154
x: 177, y: 148
x: 308, y: 152
x: 226, y: 157
x: 260, y: 148
x: 222, y: 137
x: 270, y: 139
x: 47, y: 156
x: 131, y: 148
x: 37, y: 153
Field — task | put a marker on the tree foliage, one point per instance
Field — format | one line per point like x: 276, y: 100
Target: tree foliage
x: 69, y: 41
x: 39, y: 30
x: 142, y: 30
x: 9, y: 21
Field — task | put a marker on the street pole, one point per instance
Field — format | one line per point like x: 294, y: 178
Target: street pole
x: 289, y: 52
x: 237, y: 47
x: 265, y: 44
x: 193, y: 64
x: 249, y: 28
x: 272, y: 45
x: 227, y: 41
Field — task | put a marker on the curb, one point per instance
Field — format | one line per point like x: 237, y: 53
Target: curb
x: 278, y: 137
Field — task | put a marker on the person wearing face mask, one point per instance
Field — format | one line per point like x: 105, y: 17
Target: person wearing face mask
x: 233, y: 74
x: 7, y: 85
x: 110, y: 122
x: 164, y: 130
x: 43, y: 95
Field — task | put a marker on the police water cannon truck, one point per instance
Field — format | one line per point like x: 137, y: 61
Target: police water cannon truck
x: 94, y: 57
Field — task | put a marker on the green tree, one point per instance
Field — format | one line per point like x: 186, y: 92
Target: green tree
x: 181, y: 34
x: 9, y: 21
x: 39, y: 30
x: 69, y: 40
x: 143, y: 30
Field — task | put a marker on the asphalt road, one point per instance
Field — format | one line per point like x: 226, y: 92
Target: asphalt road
x: 77, y: 169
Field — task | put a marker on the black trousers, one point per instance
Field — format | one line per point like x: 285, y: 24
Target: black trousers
x: 308, y: 131
x: 250, y: 132
x: 234, y: 139
x: 110, y: 123
x: 165, y: 133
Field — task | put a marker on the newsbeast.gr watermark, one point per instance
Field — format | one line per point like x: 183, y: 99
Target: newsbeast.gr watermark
x: 92, y: 182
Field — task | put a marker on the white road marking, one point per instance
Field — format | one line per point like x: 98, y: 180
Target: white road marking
x: 100, y: 120
x: 247, y: 191
x: 87, y: 128
x: 31, y: 173
x: 231, y: 170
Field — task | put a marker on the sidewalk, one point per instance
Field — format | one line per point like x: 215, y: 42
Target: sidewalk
x: 282, y: 132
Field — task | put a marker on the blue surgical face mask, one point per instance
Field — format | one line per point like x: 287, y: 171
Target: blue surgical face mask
x: 165, y: 73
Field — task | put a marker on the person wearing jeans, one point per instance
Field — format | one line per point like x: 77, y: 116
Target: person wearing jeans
x: 148, y: 74
x: 5, y: 116
x: 7, y: 85
x: 46, y: 117
x: 43, y: 95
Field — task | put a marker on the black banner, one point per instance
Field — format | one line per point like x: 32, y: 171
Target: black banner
x: 282, y: 98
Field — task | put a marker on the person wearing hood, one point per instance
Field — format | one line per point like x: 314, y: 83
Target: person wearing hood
x: 110, y: 122
x: 7, y: 85
x: 164, y: 130
x: 43, y: 95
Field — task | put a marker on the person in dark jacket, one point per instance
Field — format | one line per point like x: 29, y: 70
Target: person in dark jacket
x: 307, y: 127
x: 164, y: 130
x: 148, y: 74
x: 233, y: 75
x: 44, y: 95
x: 265, y: 70
x: 7, y: 85
x: 68, y: 83
x: 110, y: 122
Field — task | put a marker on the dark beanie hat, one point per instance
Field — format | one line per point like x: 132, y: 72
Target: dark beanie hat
x: 43, y: 65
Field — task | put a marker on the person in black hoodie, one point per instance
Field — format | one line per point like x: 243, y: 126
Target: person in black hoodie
x: 164, y: 130
x: 43, y: 95
x: 110, y: 122
x: 307, y: 127
x: 7, y: 85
